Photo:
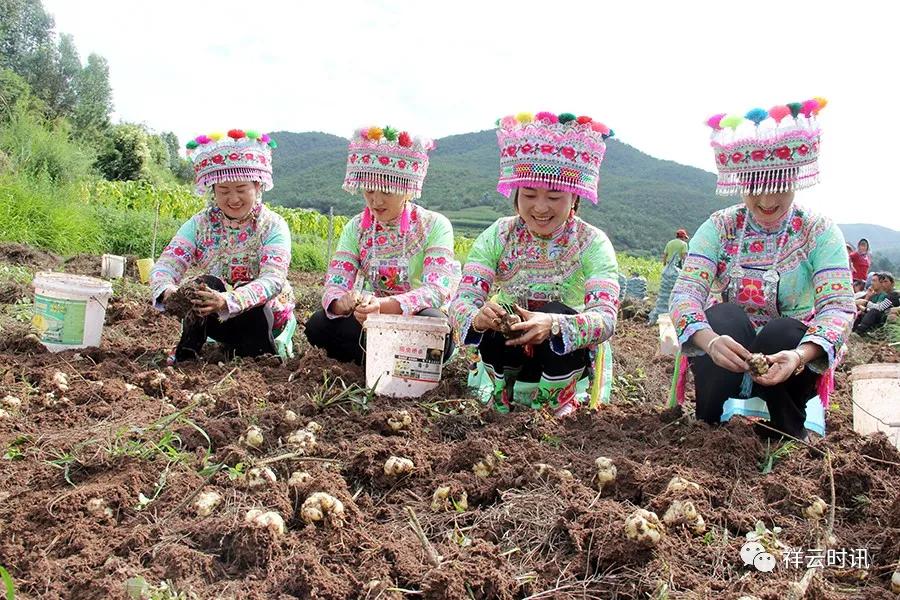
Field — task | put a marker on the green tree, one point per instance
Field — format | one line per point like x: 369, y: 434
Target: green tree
x: 180, y: 167
x: 94, y: 102
x: 24, y: 27
x: 126, y: 154
x: 16, y: 97
x: 51, y: 71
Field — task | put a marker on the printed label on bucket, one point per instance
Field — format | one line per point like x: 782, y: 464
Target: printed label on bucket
x: 418, y: 364
x: 59, y: 321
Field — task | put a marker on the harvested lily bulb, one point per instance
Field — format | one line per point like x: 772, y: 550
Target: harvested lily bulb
x: 11, y: 402
x: 643, y: 527
x: 299, y: 478
x: 206, y: 503
x: 486, y: 467
x: 202, y: 398
x: 399, y: 420
x: 320, y: 504
x: 758, y: 364
x: 396, y: 466
x: 606, y: 472
x: 260, y: 477
x: 98, y: 508
x: 443, y: 500
x: 678, y: 485
x: 290, y: 417
x: 253, y: 437
x: 303, y: 440
x: 61, y: 381
x: 816, y: 509
x: 259, y: 519
x: 684, y: 513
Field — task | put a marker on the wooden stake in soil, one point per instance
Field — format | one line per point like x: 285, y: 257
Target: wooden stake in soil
x: 433, y: 557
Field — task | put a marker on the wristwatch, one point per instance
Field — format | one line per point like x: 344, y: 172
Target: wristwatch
x: 554, y: 325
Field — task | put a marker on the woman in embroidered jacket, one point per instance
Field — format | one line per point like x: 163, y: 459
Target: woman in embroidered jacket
x: 553, y: 271
x: 235, y: 241
x: 393, y: 258
x: 782, y: 271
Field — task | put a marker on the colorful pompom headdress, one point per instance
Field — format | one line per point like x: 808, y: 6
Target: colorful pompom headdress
x: 388, y: 160
x: 561, y: 152
x: 236, y: 156
x: 767, y: 151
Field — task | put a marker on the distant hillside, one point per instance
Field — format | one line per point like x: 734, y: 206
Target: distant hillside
x: 643, y: 200
x: 881, y: 239
x: 884, y: 242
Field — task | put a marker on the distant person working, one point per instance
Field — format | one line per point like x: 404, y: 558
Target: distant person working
x: 874, y: 310
x: 676, y: 247
x: 860, y: 261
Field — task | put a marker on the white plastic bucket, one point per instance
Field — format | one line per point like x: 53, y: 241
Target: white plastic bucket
x: 69, y: 310
x: 404, y: 355
x: 112, y: 266
x: 668, y: 339
x: 876, y: 400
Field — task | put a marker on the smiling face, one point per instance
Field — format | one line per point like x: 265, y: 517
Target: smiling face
x: 236, y: 198
x: 769, y: 209
x: 862, y: 246
x: 543, y: 210
x: 385, y: 207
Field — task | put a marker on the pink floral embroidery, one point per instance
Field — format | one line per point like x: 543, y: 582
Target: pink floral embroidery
x: 751, y: 292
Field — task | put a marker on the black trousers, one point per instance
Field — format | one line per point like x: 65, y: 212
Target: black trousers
x: 246, y: 334
x: 869, y: 320
x: 714, y: 385
x: 343, y: 339
x: 512, y: 362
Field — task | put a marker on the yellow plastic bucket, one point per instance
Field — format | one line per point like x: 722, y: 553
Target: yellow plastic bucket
x: 144, y: 265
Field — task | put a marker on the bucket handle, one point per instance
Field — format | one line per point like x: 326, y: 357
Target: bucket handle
x: 362, y: 346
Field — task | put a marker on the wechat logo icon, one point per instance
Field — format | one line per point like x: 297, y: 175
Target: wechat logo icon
x: 753, y: 553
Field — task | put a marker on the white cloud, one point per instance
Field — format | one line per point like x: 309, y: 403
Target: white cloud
x: 653, y: 71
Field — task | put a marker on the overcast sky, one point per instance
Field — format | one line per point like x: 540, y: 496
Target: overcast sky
x: 653, y: 71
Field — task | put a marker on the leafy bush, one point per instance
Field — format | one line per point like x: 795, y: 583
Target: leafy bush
x: 41, y: 150
x: 40, y: 213
x: 309, y: 257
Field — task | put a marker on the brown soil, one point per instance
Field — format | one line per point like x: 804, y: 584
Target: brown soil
x: 20, y: 254
x: 83, y: 264
x: 11, y: 292
x: 125, y: 426
x: 506, y: 323
x: 180, y: 302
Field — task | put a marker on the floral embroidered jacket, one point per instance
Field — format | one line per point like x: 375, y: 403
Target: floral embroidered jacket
x: 418, y: 269
x: 576, y: 266
x: 813, y: 284
x: 252, y: 256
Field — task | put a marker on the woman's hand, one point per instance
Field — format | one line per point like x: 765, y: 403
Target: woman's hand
x: 346, y: 304
x: 535, y: 328
x: 488, y: 318
x: 368, y: 305
x: 781, y: 367
x: 208, y: 302
x: 729, y: 354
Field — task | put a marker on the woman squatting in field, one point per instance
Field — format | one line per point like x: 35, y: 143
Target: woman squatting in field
x: 241, y: 249
x: 539, y: 293
x: 395, y: 257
